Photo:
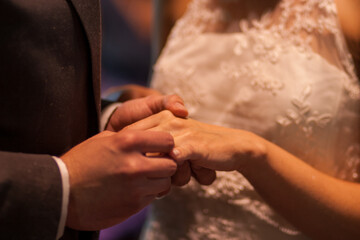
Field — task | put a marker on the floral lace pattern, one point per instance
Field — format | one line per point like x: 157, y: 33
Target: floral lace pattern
x: 300, y: 22
x: 303, y: 116
x: 250, y: 71
x: 181, y: 79
x: 268, y: 76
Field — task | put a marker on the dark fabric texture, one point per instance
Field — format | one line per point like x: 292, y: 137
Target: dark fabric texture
x: 29, y: 205
x: 49, y: 101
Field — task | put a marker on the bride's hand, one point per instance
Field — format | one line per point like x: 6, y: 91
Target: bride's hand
x: 295, y: 186
x: 185, y: 170
x: 207, y: 146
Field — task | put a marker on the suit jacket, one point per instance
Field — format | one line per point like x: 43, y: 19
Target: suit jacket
x: 49, y: 102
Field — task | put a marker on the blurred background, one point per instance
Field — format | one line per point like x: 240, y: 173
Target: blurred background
x: 134, y: 31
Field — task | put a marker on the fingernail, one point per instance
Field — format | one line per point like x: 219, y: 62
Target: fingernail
x: 176, y: 152
x: 180, y: 106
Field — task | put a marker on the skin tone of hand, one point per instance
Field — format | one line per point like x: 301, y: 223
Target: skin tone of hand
x: 138, y: 109
x: 319, y: 205
x: 111, y: 178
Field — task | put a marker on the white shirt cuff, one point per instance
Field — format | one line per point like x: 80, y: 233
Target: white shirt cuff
x: 65, y: 195
x: 106, y: 114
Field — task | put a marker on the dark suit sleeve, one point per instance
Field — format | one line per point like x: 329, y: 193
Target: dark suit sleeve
x: 30, y: 196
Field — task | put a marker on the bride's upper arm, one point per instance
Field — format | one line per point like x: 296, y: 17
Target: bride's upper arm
x: 349, y: 17
x: 348, y: 11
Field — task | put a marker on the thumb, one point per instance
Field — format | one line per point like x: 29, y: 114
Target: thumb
x: 173, y: 103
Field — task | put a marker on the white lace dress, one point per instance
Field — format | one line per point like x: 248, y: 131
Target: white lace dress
x: 286, y: 76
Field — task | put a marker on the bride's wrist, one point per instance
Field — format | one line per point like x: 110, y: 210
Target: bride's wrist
x: 254, y: 155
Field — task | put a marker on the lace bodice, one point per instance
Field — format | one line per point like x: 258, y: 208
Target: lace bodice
x: 283, y: 72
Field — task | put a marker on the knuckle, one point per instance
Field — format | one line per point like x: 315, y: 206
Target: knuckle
x: 166, y: 114
x: 127, y: 139
x: 153, y: 100
x: 175, y: 98
x: 178, y: 123
x: 131, y: 169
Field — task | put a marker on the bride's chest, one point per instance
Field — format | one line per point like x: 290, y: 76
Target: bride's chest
x: 254, y: 80
x: 293, y: 99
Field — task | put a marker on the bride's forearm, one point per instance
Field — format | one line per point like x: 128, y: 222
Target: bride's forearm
x: 321, y: 206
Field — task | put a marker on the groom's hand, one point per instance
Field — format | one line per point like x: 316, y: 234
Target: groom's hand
x: 184, y: 171
x: 111, y: 178
x: 138, y: 109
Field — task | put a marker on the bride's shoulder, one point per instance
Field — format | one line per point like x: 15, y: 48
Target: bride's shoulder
x: 348, y: 12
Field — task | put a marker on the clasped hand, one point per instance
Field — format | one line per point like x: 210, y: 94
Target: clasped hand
x: 139, y: 109
x: 111, y: 177
x: 206, y: 146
